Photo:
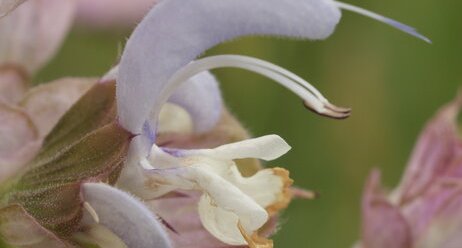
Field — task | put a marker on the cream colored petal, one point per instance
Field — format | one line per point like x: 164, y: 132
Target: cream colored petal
x: 46, y: 103
x: 222, y: 206
x: 268, y: 187
x: 174, y: 119
x: 18, y: 140
x: 267, y: 147
x: 32, y: 33
x: 228, y: 130
x: 182, y: 215
x: 13, y: 84
x: 99, y: 235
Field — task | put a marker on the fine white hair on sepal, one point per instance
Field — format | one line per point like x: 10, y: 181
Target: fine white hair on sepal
x: 175, y: 32
x: 398, y: 25
x: 126, y: 216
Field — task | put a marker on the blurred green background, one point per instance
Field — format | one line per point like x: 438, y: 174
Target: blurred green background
x: 393, y: 82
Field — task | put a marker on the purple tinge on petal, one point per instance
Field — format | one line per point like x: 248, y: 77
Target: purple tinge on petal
x: 201, y: 97
x: 437, y: 152
x: 383, y: 226
x: 175, y: 32
x: 445, y: 229
x: 182, y: 215
x: 32, y: 33
x: 126, y: 216
x: 421, y: 211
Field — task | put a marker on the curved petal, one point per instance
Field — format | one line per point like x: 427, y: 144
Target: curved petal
x: 445, y: 229
x: 174, y: 119
x: 383, y: 225
x: 182, y: 215
x: 267, y: 147
x: 13, y: 84
x: 126, y: 216
x: 47, y: 103
x: 98, y: 235
x: 155, y: 51
x: 18, y: 140
x: 32, y: 33
x: 437, y: 150
x: 222, y: 207
x: 201, y: 97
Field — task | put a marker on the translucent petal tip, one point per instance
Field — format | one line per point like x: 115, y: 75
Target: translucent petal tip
x: 398, y: 25
x: 407, y: 29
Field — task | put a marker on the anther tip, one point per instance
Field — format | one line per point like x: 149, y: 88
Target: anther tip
x: 305, y: 194
x: 337, y: 109
x: 331, y: 111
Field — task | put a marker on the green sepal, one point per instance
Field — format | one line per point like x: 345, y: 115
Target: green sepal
x: 87, y: 145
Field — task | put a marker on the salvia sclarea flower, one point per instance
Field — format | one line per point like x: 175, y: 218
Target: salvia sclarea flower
x: 167, y: 138
x: 425, y: 208
x: 158, y: 58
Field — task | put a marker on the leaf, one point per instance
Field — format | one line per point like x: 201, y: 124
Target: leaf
x: 51, y: 190
x: 14, y: 222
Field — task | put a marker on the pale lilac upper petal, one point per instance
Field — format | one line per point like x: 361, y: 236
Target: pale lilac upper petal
x: 32, y: 33
x: 175, y: 32
x: 126, y: 216
x: 201, y: 97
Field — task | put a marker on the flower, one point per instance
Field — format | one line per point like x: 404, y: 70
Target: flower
x: 158, y: 58
x: 162, y: 139
x: 424, y: 210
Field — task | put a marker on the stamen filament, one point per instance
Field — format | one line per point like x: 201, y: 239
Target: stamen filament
x: 398, y: 25
x: 312, y: 98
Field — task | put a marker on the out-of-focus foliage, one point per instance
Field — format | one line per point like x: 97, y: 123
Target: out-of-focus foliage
x: 393, y: 82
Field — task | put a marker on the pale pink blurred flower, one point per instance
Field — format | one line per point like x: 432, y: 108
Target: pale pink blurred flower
x: 29, y: 37
x: 425, y: 210
x: 112, y: 13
